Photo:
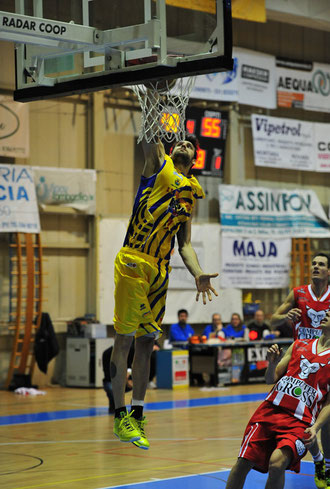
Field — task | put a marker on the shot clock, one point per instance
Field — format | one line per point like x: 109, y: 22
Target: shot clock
x: 210, y: 127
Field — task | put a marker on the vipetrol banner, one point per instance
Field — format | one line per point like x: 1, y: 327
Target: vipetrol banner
x: 304, y: 85
x: 14, y: 128
x: 322, y: 147
x: 267, y: 212
x: 18, y: 203
x: 252, y: 81
x: 255, y: 263
x: 283, y: 143
x: 66, y: 187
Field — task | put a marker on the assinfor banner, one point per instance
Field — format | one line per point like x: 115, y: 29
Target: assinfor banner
x: 271, y: 212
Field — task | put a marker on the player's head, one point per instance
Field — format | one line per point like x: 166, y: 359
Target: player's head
x: 320, y: 267
x: 325, y: 323
x: 185, y: 151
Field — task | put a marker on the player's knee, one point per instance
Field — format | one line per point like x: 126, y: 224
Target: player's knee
x: 243, y: 465
x: 278, y: 462
x: 122, y: 343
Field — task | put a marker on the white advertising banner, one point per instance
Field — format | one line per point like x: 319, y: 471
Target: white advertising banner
x: 256, y: 78
x: 303, y: 85
x: 272, y: 212
x: 217, y: 86
x: 67, y: 187
x: 322, y: 147
x: 252, y: 81
x: 14, y: 128
x: 18, y: 202
x: 255, y: 263
x: 180, y: 278
x: 283, y: 143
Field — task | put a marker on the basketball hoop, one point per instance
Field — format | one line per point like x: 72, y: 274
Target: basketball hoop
x: 163, y: 104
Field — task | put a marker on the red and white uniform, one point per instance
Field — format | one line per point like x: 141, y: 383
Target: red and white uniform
x: 291, y: 406
x: 313, y: 310
x: 302, y: 391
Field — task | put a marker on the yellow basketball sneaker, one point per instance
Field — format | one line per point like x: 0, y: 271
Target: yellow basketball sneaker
x: 320, y: 480
x: 143, y: 441
x: 126, y: 428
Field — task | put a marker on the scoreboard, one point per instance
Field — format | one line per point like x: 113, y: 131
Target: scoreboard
x: 210, y: 128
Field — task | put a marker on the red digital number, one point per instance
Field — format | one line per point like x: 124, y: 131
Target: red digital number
x: 200, y: 160
x: 217, y: 163
x: 190, y: 124
x: 211, y: 127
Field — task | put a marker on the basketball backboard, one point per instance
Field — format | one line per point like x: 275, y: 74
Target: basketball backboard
x: 65, y: 48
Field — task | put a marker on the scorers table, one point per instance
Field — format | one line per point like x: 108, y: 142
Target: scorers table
x: 248, y: 360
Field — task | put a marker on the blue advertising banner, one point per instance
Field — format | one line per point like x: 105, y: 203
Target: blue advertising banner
x: 18, y: 203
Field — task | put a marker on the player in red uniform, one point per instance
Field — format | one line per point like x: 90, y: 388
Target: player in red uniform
x: 288, y: 420
x: 304, y: 309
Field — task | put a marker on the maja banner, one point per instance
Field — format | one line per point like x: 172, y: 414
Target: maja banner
x: 255, y: 263
x: 322, y: 147
x: 304, y: 85
x: 252, y: 81
x: 18, y: 203
x: 14, y: 128
x: 66, y: 187
x: 272, y: 212
x: 283, y: 143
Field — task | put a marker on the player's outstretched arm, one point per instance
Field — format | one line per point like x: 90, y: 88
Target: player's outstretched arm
x: 189, y: 257
x: 286, y: 311
x: 154, y: 155
x: 277, y: 365
x: 323, y: 417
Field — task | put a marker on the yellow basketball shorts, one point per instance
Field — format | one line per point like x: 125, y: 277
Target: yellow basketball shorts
x: 141, y: 283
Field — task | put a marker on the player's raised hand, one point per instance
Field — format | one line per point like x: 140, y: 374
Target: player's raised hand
x: 274, y: 354
x: 204, y: 286
x: 294, y: 314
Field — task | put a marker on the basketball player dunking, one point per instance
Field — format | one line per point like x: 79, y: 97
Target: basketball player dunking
x: 162, y: 210
x: 305, y: 308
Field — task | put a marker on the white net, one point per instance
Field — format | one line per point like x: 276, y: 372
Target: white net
x: 163, y: 104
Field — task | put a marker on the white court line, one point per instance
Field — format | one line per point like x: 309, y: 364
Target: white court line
x: 111, y: 440
x: 166, y: 479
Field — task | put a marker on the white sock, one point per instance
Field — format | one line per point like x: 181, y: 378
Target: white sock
x: 318, y: 457
x: 135, y: 402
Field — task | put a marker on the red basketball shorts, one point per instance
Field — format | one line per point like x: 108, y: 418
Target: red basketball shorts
x: 269, y: 428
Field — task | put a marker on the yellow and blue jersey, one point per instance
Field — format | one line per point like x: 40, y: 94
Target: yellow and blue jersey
x: 163, y: 202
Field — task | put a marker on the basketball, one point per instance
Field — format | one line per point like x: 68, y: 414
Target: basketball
x: 161, y: 86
